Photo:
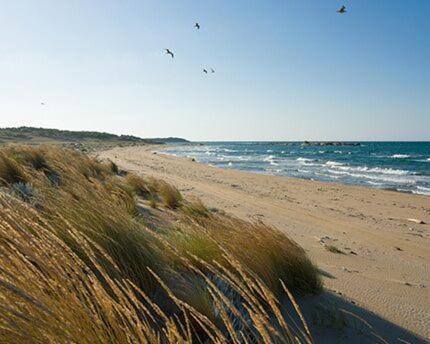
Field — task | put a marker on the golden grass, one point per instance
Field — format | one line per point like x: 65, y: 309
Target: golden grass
x: 263, y: 249
x: 78, y: 264
x: 169, y: 194
x: 10, y: 171
x: 195, y: 207
x: 137, y: 184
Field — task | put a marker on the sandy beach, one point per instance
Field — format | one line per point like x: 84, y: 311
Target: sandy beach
x: 384, y: 267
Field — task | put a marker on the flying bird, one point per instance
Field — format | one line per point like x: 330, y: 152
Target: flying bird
x: 169, y: 53
x: 342, y: 10
x: 42, y: 103
x: 212, y: 70
x: 205, y: 71
x: 197, y: 25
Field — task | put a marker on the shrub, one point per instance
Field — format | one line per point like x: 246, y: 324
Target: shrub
x: 24, y: 191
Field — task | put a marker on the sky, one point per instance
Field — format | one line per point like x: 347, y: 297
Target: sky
x: 284, y: 70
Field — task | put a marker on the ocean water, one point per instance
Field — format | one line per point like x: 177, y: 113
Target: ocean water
x: 402, y: 166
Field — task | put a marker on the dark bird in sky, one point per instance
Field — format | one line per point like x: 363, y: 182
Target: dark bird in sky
x: 42, y: 103
x: 342, y: 10
x: 212, y: 70
x: 197, y: 25
x: 205, y: 71
x: 170, y: 53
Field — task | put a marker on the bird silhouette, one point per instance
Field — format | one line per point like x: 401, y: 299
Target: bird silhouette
x: 42, y: 103
x: 342, y: 10
x: 205, y: 71
x: 212, y: 70
x: 197, y: 25
x: 169, y: 53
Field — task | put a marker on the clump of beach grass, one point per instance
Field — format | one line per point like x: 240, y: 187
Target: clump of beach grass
x: 195, y: 207
x: 270, y: 254
x: 138, y: 184
x: 10, y: 171
x: 82, y: 266
x: 28, y: 155
x: 170, y: 195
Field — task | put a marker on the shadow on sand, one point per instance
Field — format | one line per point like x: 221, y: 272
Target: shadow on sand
x: 333, y: 319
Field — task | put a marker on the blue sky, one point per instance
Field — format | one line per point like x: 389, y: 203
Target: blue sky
x: 285, y: 70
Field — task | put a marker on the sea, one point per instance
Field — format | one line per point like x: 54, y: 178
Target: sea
x: 400, y: 166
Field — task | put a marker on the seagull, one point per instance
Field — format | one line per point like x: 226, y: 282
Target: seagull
x: 342, y: 10
x: 205, y: 71
x: 212, y: 70
x: 170, y: 53
x: 197, y: 25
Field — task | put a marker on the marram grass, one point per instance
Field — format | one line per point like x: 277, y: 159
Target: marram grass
x: 80, y: 264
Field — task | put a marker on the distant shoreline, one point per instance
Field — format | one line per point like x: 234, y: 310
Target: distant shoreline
x: 158, y: 149
x: 339, y: 163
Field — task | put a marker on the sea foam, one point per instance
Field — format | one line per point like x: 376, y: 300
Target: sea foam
x: 400, y: 156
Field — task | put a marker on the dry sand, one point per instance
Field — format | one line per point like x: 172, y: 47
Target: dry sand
x: 384, y: 275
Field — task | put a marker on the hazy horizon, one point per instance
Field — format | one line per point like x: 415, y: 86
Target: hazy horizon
x: 284, y: 70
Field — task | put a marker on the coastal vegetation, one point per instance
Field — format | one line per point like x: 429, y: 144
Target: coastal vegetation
x: 93, y: 254
x: 85, y: 141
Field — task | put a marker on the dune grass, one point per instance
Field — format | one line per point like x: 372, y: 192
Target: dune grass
x: 270, y: 254
x: 79, y: 264
x: 10, y: 171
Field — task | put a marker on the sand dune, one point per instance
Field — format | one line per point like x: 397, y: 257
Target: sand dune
x: 384, y: 266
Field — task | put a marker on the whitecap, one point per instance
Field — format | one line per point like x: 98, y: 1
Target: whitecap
x: 400, y: 156
x: 380, y: 177
x: 421, y: 192
x: 333, y: 163
x: 270, y: 160
x: 373, y: 183
x: 376, y: 170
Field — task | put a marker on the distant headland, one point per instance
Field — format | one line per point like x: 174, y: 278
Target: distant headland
x: 81, y: 140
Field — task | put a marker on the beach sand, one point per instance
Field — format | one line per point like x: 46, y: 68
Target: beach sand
x: 383, y: 274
